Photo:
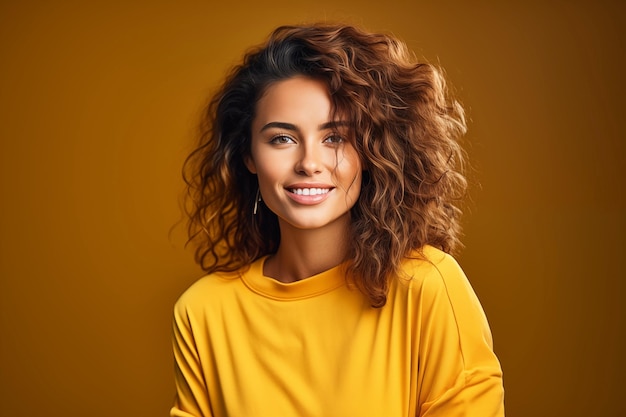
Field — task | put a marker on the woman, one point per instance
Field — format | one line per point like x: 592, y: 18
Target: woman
x: 323, y: 203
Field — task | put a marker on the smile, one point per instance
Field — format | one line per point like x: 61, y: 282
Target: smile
x: 309, y: 191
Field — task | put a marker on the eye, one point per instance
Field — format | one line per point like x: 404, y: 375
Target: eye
x: 334, y: 139
x: 282, y: 139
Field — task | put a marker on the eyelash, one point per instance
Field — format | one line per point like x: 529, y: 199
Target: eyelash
x: 333, y: 139
x: 277, y: 139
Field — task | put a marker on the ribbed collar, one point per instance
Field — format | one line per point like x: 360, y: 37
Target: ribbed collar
x: 269, y: 287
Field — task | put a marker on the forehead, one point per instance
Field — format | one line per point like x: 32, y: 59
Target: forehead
x: 294, y: 99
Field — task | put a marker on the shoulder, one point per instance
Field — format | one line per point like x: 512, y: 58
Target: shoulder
x: 207, y: 292
x: 436, y: 277
x: 433, y: 267
x: 439, y: 285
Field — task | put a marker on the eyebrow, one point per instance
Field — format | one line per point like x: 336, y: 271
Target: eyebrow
x: 294, y: 128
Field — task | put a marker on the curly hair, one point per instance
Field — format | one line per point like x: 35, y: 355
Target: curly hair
x: 406, y: 130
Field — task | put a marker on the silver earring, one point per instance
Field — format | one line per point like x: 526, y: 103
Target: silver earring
x: 257, y: 199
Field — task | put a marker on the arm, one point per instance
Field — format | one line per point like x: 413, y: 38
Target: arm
x: 192, y: 398
x: 459, y: 374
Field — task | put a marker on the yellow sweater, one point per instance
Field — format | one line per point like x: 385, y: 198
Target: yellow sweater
x: 246, y: 345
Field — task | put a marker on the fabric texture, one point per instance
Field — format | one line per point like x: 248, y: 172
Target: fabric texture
x: 248, y: 345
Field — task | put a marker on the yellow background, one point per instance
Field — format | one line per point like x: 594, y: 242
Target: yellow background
x: 98, y: 106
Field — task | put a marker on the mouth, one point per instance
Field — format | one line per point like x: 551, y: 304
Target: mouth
x: 309, y: 191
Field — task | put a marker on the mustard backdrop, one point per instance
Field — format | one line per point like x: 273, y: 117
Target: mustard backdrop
x: 98, y: 106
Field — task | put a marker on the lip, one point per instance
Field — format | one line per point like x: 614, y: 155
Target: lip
x: 309, y: 199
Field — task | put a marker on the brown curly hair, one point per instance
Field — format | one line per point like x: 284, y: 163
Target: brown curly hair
x: 405, y: 128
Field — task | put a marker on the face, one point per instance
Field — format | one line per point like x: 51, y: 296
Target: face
x: 309, y: 173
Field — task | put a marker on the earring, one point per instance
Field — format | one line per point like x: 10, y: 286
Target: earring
x: 257, y: 199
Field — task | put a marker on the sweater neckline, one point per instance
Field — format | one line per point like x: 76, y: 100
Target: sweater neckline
x: 312, y: 286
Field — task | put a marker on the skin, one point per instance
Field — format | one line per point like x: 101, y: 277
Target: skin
x: 296, y: 148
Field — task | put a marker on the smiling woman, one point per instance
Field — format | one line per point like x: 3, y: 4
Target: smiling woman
x: 323, y: 202
x: 309, y: 176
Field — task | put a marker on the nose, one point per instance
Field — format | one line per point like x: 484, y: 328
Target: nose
x: 309, y: 161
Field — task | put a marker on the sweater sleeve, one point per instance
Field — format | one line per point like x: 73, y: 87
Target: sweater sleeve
x: 192, y: 398
x: 459, y: 374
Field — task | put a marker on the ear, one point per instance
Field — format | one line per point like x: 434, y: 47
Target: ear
x: 250, y: 163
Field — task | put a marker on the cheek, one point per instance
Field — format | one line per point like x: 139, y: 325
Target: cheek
x: 349, y: 165
x: 349, y: 175
x: 270, y: 169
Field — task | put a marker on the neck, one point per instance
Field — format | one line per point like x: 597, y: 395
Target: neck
x: 304, y: 253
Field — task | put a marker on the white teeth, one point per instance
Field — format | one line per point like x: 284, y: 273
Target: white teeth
x: 309, y: 191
